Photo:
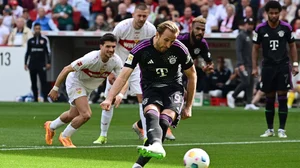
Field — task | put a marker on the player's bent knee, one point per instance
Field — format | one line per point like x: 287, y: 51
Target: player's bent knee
x: 151, y: 107
x: 86, y: 116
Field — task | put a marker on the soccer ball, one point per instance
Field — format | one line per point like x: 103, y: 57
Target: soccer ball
x: 196, y: 158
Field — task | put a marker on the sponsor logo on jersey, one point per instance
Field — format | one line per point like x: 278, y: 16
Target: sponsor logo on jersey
x: 93, y: 74
x: 128, y: 44
x: 197, y: 50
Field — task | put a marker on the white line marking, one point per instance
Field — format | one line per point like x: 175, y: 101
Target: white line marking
x: 130, y: 146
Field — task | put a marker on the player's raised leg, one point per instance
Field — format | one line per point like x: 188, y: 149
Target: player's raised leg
x: 85, y: 113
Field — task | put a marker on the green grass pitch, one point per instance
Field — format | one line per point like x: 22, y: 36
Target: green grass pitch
x: 230, y: 137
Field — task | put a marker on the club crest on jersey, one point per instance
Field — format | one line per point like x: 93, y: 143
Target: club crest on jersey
x: 281, y: 33
x: 42, y: 41
x: 172, y: 59
x: 103, y: 69
x: 79, y: 63
x: 129, y: 59
x: 197, y: 50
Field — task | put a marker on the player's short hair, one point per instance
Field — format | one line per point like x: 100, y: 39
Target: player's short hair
x: 37, y: 24
x: 199, y: 20
x: 167, y: 25
x: 141, y: 6
x: 273, y: 5
x: 108, y: 37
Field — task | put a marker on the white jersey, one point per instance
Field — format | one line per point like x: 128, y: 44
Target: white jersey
x: 90, y: 71
x: 128, y: 37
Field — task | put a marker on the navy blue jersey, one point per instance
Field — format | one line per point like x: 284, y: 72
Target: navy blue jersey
x: 159, y: 69
x: 274, y: 42
x: 197, y: 49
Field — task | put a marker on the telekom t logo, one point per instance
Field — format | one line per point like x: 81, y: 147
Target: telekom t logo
x: 274, y: 44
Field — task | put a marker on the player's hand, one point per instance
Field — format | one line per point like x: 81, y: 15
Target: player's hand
x: 186, y: 113
x: 295, y: 70
x: 26, y: 67
x: 111, y: 78
x: 242, y: 68
x: 118, y: 100
x: 255, y: 72
x: 106, y: 104
x: 53, y: 95
x: 48, y: 66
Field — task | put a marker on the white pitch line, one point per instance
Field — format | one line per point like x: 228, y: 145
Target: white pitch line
x: 130, y: 146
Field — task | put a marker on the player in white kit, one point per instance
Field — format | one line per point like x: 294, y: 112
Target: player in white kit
x: 82, y: 77
x: 128, y: 32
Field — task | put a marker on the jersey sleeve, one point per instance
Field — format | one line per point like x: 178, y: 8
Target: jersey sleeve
x: 205, y: 54
x: 118, y: 66
x: 289, y: 35
x: 186, y: 61
x: 256, y: 38
x: 86, y: 61
x: 117, y: 32
x: 132, y: 60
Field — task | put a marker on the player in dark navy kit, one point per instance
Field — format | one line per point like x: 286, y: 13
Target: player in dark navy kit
x: 273, y: 36
x: 161, y: 60
x: 197, y: 47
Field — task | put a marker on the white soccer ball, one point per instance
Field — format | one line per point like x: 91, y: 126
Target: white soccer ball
x: 196, y: 158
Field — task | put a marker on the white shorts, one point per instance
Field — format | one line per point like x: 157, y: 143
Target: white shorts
x: 76, y: 90
x: 133, y: 82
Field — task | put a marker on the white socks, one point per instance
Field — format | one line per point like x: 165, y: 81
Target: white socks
x: 143, y: 119
x: 68, y: 131
x: 56, y: 124
x: 136, y: 166
x: 105, y: 121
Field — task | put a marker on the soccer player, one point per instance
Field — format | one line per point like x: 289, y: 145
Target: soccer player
x: 244, y: 62
x: 292, y: 92
x: 128, y: 32
x: 273, y: 36
x: 197, y: 47
x: 161, y: 59
x: 82, y: 77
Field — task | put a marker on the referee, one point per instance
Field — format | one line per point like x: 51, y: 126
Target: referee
x: 244, y: 63
x: 37, y: 61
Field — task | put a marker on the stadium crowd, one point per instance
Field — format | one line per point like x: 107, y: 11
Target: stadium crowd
x: 222, y: 16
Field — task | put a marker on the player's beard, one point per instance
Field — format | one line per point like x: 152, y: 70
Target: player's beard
x: 195, y: 39
x: 274, y: 20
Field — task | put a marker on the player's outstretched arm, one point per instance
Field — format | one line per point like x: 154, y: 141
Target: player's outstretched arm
x: 116, y: 87
x: 255, y: 50
x: 61, y: 77
x: 294, y: 58
x: 191, y: 89
x: 120, y: 96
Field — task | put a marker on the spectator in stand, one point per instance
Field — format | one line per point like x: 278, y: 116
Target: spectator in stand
x: 8, y: 19
x: 212, y: 7
x: 172, y: 8
x: 229, y: 24
x: 28, y: 20
x: 109, y: 16
x: 42, y: 4
x: 63, y: 12
x: 241, y: 10
x: 28, y: 4
x: 175, y: 18
x: 186, y: 20
x: 160, y: 4
x: 4, y: 32
x: 46, y: 23
x: 152, y: 5
x: 218, y: 79
x: 261, y: 13
x: 100, y: 24
x: 221, y: 13
x: 188, y: 3
x: 123, y: 14
x: 20, y: 34
x: 163, y: 15
x: 83, y: 7
x: 297, y: 26
x: 95, y: 9
x: 284, y: 14
x: 130, y: 6
x: 17, y: 10
x: 290, y: 9
x: 211, y: 22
